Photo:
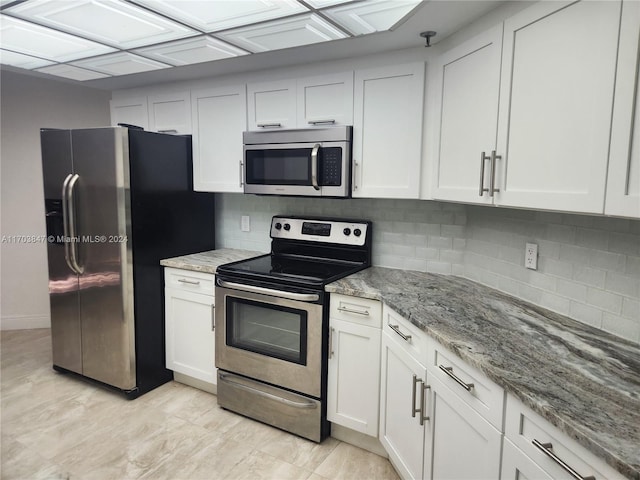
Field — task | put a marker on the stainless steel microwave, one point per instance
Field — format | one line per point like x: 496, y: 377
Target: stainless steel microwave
x: 313, y: 162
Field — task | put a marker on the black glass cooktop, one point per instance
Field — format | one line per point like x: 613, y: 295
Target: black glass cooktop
x: 285, y: 269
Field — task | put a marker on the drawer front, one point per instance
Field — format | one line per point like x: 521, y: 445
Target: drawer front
x: 469, y: 383
x: 541, y: 441
x: 363, y: 311
x: 189, y: 281
x: 407, y: 335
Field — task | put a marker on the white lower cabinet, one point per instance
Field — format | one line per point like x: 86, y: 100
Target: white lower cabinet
x: 190, y: 324
x: 401, y: 395
x: 459, y: 443
x: 354, y: 363
x: 549, y: 448
x: 517, y: 466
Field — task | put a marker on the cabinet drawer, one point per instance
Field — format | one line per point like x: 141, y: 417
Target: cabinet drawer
x: 469, y: 383
x: 189, y: 281
x: 357, y: 310
x: 526, y: 429
x: 411, y: 338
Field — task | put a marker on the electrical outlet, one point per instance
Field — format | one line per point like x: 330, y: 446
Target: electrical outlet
x: 245, y: 223
x: 531, y: 256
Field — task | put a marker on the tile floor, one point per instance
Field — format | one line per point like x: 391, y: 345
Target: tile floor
x: 57, y: 427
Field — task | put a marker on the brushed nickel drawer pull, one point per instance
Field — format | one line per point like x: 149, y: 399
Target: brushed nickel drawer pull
x: 357, y: 312
x: 449, y: 372
x: 415, y: 410
x: 269, y: 125
x: 321, y: 122
x: 189, y: 282
x: 331, y: 330
x: 396, y: 328
x: 423, y: 405
x: 546, y: 448
x: 483, y: 158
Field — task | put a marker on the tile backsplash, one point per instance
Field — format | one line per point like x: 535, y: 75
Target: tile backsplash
x: 588, y: 267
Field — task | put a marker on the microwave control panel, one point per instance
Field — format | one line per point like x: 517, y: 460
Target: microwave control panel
x: 331, y: 167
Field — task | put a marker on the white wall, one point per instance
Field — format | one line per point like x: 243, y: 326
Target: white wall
x: 588, y: 269
x: 28, y: 104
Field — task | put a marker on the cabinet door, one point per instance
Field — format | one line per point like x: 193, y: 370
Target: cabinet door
x: 354, y: 376
x: 387, y: 124
x: 454, y: 430
x: 517, y: 466
x: 469, y: 87
x: 272, y: 105
x: 401, y: 434
x: 133, y: 111
x: 170, y: 113
x: 555, y: 105
x: 623, y: 181
x: 190, y: 338
x: 325, y: 100
x: 219, y: 118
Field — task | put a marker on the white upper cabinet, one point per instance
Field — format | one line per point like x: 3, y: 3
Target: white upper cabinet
x: 170, y: 113
x: 133, y: 111
x: 272, y: 105
x: 219, y: 118
x: 325, y: 100
x: 387, y: 137
x: 623, y: 183
x: 468, y: 86
x: 558, y: 73
x: 321, y: 101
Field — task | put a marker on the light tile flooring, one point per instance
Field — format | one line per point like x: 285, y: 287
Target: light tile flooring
x: 58, y: 427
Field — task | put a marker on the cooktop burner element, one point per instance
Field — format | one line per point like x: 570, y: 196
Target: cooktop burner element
x: 309, y: 252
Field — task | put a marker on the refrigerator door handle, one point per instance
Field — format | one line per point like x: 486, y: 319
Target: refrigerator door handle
x: 65, y: 222
x: 72, y: 225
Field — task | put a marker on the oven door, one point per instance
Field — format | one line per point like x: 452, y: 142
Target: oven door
x: 270, y: 335
x: 307, y: 169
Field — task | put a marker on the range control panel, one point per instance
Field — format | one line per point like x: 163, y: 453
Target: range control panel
x: 342, y: 232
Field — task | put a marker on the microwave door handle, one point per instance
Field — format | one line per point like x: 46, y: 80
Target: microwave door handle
x: 314, y: 166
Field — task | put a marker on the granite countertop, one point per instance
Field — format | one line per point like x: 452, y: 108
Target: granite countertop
x: 582, y: 380
x: 208, y: 261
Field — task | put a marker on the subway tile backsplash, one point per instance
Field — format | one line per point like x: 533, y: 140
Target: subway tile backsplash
x: 588, y: 267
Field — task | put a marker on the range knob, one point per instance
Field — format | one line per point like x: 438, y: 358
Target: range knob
x: 287, y: 227
x: 347, y: 231
x: 357, y: 232
x: 278, y: 226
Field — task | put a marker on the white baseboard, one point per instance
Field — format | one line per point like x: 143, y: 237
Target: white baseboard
x: 24, y: 322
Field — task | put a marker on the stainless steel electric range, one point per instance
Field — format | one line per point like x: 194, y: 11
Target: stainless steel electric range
x: 273, y: 329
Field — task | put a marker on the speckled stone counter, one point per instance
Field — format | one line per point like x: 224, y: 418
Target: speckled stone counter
x: 582, y: 380
x: 209, y: 261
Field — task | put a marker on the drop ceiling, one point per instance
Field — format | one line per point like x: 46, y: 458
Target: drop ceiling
x: 118, y: 44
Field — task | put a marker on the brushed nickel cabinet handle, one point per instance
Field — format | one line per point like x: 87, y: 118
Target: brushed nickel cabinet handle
x: 483, y: 158
x: 189, y: 282
x: 415, y: 410
x: 458, y: 380
x: 269, y: 125
x: 331, y: 330
x: 396, y: 328
x: 492, y: 185
x: 423, y: 406
x: 546, y: 448
x: 241, y: 174
x: 321, y: 122
x: 213, y: 318
x: 357, y: 312
x: 355, y: 177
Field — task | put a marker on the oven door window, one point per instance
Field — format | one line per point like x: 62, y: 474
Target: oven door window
x: 267, y: 329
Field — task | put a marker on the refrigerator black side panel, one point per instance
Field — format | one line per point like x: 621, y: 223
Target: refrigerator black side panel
x: 57, y: 164
x: 168, y: 219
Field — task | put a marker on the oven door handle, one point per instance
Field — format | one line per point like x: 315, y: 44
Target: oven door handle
x: 303, y: 297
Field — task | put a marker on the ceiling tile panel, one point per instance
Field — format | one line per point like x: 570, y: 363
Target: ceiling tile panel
x: 74, y: 73
x: 21, y: 61
x: 215, y: 15
x: 284, y: 33
x: 193, y: 50
x: 122, y: 63
x: 30, y: 39
x: 371, y: 16
x: 108, y: 21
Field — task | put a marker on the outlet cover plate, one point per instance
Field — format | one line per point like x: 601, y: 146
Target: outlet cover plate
x: 531, y: 256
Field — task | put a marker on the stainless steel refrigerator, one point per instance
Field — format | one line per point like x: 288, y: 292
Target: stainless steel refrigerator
x: 117, y: 201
